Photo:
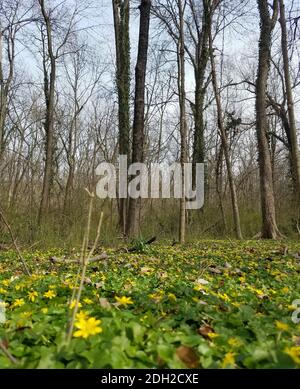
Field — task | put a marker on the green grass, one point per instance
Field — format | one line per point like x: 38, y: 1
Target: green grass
x: 210, y: 304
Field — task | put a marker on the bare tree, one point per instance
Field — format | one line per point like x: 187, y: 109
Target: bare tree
x: 13, y: 16
x: 209, y: 9
x: 182, y: 122
x: 199, y: 61
x: 53, y: 48
x: 294, y: 148
x: 139, y: 109
x: 267, y: 24
x: 81, y: 93
x: 49, y: 92
x: 122, y: 43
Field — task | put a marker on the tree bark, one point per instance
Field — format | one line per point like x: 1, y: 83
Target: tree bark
x: 219, y: 184
x: 269, y: 225
x: 132, y: 227
x: 5, y: 84
x: 122, y: 43
x: 224, y: 140
x: 294, y: 149
x: 49, y: 92
x: 3, y: 99
x: 201, y: 61
x: 183, y: 125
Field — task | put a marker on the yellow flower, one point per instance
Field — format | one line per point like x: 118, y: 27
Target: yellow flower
x: 50, y: 294
x: 19, y: 286
x: 282, y: 326
x: 32, y: 295
x: 234, y: 342
x: 212, y: 335
x: 223, y: 296
x: 87, y: 327
x: 156, y: 296
x: 285, y: 290
x: 236, y: 304
x: 254, y: 290
x: 26, y: 314
x: 81, y: 315
x: 44, y: 310
x: 5, y: 282
x: 3, y: 291
x: 294, y: 353
x: 172, y: 296
x: 272, y: 291
x: 143, y: 318
x: 88, y: 301
x: 199, y: 287
x: 73, y: 303
x: 228, y: 360
x: 124, y: 300
x: 35, y: 277
x: 18, y: 303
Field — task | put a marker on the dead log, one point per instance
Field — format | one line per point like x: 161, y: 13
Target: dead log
x: 98, y: 258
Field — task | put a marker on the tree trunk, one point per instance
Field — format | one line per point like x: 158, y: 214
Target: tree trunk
x: 132, y: 227
x: 294, y: 149
x: 49, y: 91
x: 183, y: 125
x: 69, y: 186
x: 72, y: 147
x: 3, y: 99
x: 5, y: 83
x: 219, y: 185
x: 201, y: 61
x: 224, y: 140
x: 122, y: 43
x: 269, y: 226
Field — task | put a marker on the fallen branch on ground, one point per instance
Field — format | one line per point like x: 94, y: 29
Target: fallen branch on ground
x: 100, y: 257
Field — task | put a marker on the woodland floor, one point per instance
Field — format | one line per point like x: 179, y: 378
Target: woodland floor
x: 211, y: 304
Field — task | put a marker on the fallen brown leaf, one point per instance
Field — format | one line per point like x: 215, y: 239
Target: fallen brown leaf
x: 188, y: 356
x: 205, y: 330
x: 104, y: 303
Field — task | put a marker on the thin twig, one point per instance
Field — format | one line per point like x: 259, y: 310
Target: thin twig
x: 8, y: 354
x: 85, y: 262
x: 27, y: 271
x: 84, y: 245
